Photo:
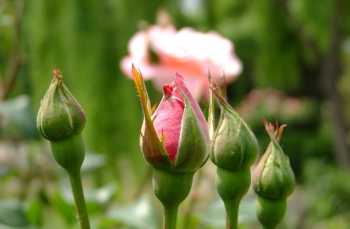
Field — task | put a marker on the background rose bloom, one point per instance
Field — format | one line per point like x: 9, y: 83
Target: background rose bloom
x: 160, y: 51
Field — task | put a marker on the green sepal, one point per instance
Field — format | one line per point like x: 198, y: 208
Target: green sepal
x: 234, y: 146
x: 151, y: 146
x: 60, y: 115
x: 193, y: 147
x: 149, y: 142
x: 274, y: 177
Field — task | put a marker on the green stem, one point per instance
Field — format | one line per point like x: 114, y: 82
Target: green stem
x: 232, y: 186
x: 170, y: 217
x: 232, y: 207
x: 77, y: 188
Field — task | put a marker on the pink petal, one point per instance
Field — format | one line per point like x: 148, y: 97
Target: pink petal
x: 196, y: 86
x: 167, y: 119
x: 195, y: 106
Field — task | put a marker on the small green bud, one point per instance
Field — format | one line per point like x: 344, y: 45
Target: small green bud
x: 60, y: 116
x: 61, y: 121
x: 273, y: 180
x: 233, y: 150
x: 273, y: 176
x: 234, y: 146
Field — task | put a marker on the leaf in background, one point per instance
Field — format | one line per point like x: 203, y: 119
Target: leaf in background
x: 93, y: 161
x: 64, y: 207
x: 17, y: 118
x: 35, y: 212
x: 215, y: 216
x: 13, y: 214
x: 137, y: 215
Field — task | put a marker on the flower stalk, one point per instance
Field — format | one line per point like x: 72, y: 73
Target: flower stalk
x: 78, y: 193
x: 170, y: 217
x: 61, y: 120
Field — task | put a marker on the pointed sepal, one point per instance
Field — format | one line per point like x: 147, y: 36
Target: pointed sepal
x: 151, y: 144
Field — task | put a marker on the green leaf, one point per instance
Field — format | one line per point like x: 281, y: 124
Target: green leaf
x: 137, y: 215
x: 13, y: 214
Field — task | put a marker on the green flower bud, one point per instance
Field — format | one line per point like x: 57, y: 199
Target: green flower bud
x: 61, y: 120
x: 273, y: 180
x: 273, y: 176
x: 233, y: 150
x: 234, y: 146
x: 60, y: 116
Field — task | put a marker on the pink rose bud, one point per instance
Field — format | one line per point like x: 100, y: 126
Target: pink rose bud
x: 175, y: 136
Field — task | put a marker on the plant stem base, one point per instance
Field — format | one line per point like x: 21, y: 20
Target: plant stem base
x: 77, y: 188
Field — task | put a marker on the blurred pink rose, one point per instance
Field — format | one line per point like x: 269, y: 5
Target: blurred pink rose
x: 160, y: 51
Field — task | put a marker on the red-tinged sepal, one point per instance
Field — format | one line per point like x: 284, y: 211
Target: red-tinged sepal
x: 151, y: 146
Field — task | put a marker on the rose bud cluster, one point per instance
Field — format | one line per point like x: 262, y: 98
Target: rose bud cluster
x: 273, y: 180
x: 233, y: 150
x: 174, y: 140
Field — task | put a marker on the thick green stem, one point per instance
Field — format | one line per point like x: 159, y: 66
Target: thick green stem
x: 232, y: 207
x: 171, y: 189
x: 77, y: 188
x: 170, y: 217
x: 232, y: 186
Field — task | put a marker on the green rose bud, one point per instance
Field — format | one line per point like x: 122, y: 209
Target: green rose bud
x: 234, y: 146
x: 273, y: 180
x: 233, y: 150
x: 273, y: 175
x: 61, y: 121
x: 60, y: 116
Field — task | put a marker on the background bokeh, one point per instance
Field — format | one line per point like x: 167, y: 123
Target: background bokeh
x: 296, y: 58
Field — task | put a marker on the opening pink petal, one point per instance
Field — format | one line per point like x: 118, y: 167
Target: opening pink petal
x: 195, y: 106
x: 168, y: 118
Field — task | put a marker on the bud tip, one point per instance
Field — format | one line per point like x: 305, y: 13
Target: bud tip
x: 57, y: 74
